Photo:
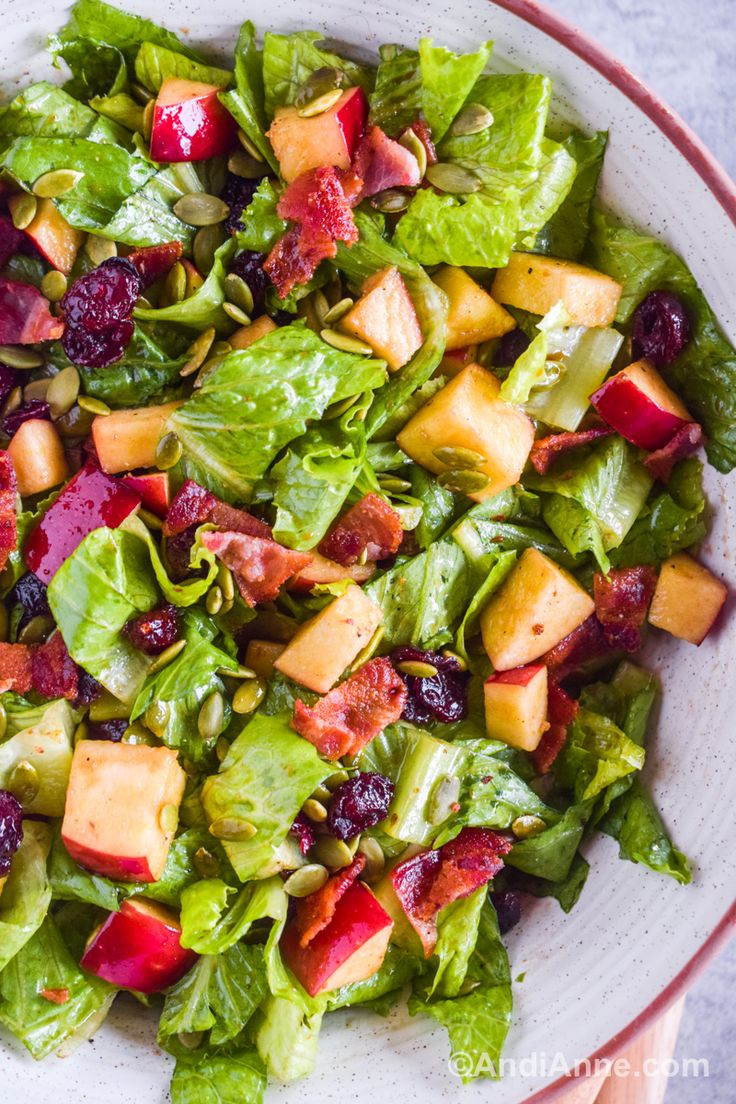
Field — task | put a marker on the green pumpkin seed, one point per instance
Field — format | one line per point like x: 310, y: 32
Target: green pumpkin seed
x: 416, y: 668
x: 236, y: 314
x: 346, y: 343
x: 245, y: 165
x: 443, y: 799
x: 306, y: 880
x: 13, y: 401
x: 168, y: 451
x: 190, y: 1040
x: 58, y: 182
x: 238, y: 672
x: 211, y: 718
x: 166, y: 656
x: 16, y: 356
x: 391, y: 201
x: 332, y: 852
x: 168, y: 819
x: 24, y: 782
x: 340, y: 309
x: 238, y: 292
x: 23, y: 210
x: 136, y: 733
x: 336, y: 779
x: 370, y: 649
x: 463, y: 481
x: 411, y: 141
x: 461, y: 664
x: 175, y: 288
x: 323, y: 80
x: 458, y: 458
x: 226, y: 607
x: 226, y: 582
x: 94, y: 406
x: 36, y: 389
x: 453, y: 179
x: 222, y: 747
x: 206, y: 243
x: 233, y: 829
x: 54, y: 285
x: 201, y: 209
x: 4, y: 623
x: 213, y: 601
x: 319, y: 105
x: 147, y: 118
x: 249, y: 146
x: 321, y: 793
x: 315, y: 810
x: 63, y: 391
x: 99, y: 249
x: 525, y: 827
x: 375, y: 860
x: 140, y: 94
x: 206, y: 864
x: 156, y: 717
x: 197, y: 352
x: 37, y: 630
x: 248, y: 696
x: 473, y: 118
x: 391, y: 484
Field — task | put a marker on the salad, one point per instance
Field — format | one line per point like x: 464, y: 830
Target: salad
x: 348, y: 459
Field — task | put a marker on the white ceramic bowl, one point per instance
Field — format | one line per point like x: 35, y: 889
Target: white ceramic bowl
x: 636, y: 940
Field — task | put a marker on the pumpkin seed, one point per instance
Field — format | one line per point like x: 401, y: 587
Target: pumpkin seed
x: 190, y: 1040
x: 463, y: 481
x: 54, y: 285
x: 206, y: 242
x: 226, y: 607
x: 147, y: 118
x: 473, y: 118
x: 24, y: 781
x: 321, y: 793
x: 393, y: 485
x: 211, y: 718
x: 37, y: 630
x: 213, y: 601
x: 156, y: 717
x: 244, y: 164
x: 307, y: 879
x: 139, y: 93
x: 201, y: 209
x: 391, y: 201
x: 340, y: 309
x: 410, y: 516
x: 36, y: 389
x: 168, y: 451
x: 16, y: 356
x: 459, y: 457
x: 411, y: 141
x: 194, y: 281
x: 323, y: 80
x: 332, y: 852
x: 416, y: 668
x: 375, y: 859
x: 249, y: 146
x: 321, y: 305
x: 461, y: 664
x: 4, y: 622
x: 336, y: 779
x: 453, y: 179
x: 206, y: 864
x: 315, y: 810
x: 94, y: 406
x: 168, y: 819
x: 151, y: 521
x: 99, y: 249
x: 239, y: 672
x: 443, y: 799
x: 236, y: 314
x: 166, y: 656
x: 524, y: 827
x: 23, y: 210
x: 226, y: 582
x: 370, y: 649
x: 248, y: 696
x: 63, y: 391
x: 197, y: 352
x: 222, y: 747
x: 13, y: 401
x: 319, y: 105
x: 234, y: 829
x: 238, y: 292
x: 346, y: 343
x: 175, y: 288
x: 75, y: 423
x: 58, y: 182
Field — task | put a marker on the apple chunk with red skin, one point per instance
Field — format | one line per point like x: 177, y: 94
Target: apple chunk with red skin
x: 516, y: 706
x: 154, y: 489
x: 138, y: 948
x: 640, y: 406
x: 190, y: 123
x: 350, y: 948
x: 116, y: 795
x: 331, y: 138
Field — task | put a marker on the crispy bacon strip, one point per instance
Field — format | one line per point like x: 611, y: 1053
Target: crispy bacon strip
x: 25, y: 317
x: 260, y: 567
x: 313, y: 913
x: 547, y: 449
x: 16, y: 670
x: 382, y: 163
x: 194, y: 505
x: 685, y: 442
x: 351, y: 715
x: 371, y: 526
x: 561, y: 710
x: 54, y: 672
x: 8, y: 517
x: 155, y: 261
x: 583, y: 644
x: 621, y: 602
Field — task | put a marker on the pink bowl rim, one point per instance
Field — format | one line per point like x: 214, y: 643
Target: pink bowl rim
x: 723, y: 188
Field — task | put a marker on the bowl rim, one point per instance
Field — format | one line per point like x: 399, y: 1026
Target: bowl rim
x: 723, y: 188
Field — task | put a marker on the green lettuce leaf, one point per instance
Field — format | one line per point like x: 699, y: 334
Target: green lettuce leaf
x: 470, y: 623
x: 26, y: 894
x: 531, y: 370
x: 98, y: 69
x: 447, y: 80
x: 597, y: 752
x: 211, y: 923
x: 179, y: 594
x: 478, y: 230
x: 262, y: 225
x: 104, y: 23
x: 219, y: 994
x: 288, y: 60
x: 44, y: 110
x: 154, y: 64
x: 670, y: 522
x: 397, y: 969
x: 219, y: 1079
x: 565, y: 234
x: 551, y: 854
x: 506, y: 523
x: 204, y: 308
x: 396, y: 99
x: 245, y: 101
x: 287, y: 1038
x: 542, y: 198
x: 457, y: 934
x: 566, y: 892
x: 636, y: 825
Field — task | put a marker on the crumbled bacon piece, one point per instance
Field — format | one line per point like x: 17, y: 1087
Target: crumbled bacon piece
x: 383, y: 163
x: 295, y: 258
x: 429, y: 881
x: 583, y: 644
x: 621, y: 602
x: 685, y: 442
x: 191, y: 505
x: 371, y: 526
x: 55, y: 996
x: 55, y: 674
x: 154, y: 261
x: 313, y: 913
x: 16, y: 671
x: 351, y: 715
x: 561, y: 710
x: 546, y: 450
x: 260, y: 567
x: 8, y: 518
x: 238, y: 521
x: 25, y: 317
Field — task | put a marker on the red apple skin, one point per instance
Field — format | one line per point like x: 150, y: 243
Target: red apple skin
x: 190, y: 123
x: 120, y: 868
x: 138, y: 948
x: 154, y: 490
x: 327, y: 139
x: 90, y: 500
x: 358, y: 918
x: 634, y: 414
x: 351, y: 119
x: 517, y: 676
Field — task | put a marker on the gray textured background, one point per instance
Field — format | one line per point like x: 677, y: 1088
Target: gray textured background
x: 686, y: 51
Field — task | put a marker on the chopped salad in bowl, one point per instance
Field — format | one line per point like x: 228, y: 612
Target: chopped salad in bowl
x: 349, y: 455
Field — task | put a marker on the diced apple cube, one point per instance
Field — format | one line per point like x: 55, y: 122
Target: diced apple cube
x: 127, y: 439
x: 189, y: 122
x: 536, y: 283
x: 323, y: 647
x: 248, y: 335
x: 473, y: 316
x: 331, y: 138
x: 117, y: 792
x: 261, y: 655
x: 469, y: 414
x: 384, y: 317
x: 687, y: 600
x: 323, y: 570
x: 38, y: 457
x: 52, y: 235
x: 516, y: 706
x: 154, y: 489
x: 640, y: 406
x: 537, y: 606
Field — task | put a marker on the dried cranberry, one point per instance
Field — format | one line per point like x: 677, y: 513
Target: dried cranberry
x: 88, y: 688
x: 112, y: 730
x: 510, y: 348
x: 508, y: 910
x: 103, y: 297
x: 154, y: 631
x: 358, y: 804
x: 8, y: 380
x: 249, y: 266
x: 96, y: 350
x: 34, y: 409
x: 441, y: 697
x: 30, y: 594
x: 11, y: 829
x: 237, y: 192
x: 303, y: 829
x: 661, y: 328
x: 12, y: 240
x: 178, y: 553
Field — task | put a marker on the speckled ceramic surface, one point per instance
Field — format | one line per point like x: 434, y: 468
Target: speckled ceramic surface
x: 589, y: 976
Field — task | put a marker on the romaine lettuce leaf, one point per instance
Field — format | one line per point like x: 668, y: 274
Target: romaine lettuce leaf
x: 98, y: 69
x: 447, y: 80
x: 179, y: 594
x: 566, y: 232
x: 597, y: 753
x: 245, y: 100
x: 457, y: 934
x: 396, y: 99
x: 211, y: 921
x: 550, y: 855
x: 230, y: 1078
x: 542, y: 198
x: 634, y: 822
x: 26, y: 894
x: 566, y: 892
x: 219, y: 994
x: 397, y: 968
x: 531, y: 369
x: 288, y: 60
x: 154, y: 64
x: 100, y: 21
x: 670, y: 522
x: 262, y: 225
x: 287, y: 1038
x: 204, y: 308
x: 503, y: 524
x: 44, y: 110
x: 477, y: 231
x: 497, y: 572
